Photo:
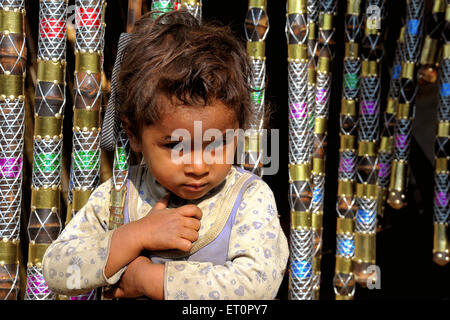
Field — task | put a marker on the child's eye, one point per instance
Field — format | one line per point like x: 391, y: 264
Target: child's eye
x: 171, y: 145
x: 217, y: 144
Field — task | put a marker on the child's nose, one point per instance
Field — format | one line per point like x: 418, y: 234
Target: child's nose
x: 197, y: 166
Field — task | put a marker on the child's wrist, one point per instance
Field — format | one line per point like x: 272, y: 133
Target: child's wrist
x: 137, y: 234
x: 153, y: 280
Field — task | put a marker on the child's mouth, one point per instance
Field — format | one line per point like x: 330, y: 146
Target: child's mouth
x: 195, y: 187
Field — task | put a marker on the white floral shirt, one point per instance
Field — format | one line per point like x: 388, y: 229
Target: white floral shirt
x: 256, y: 259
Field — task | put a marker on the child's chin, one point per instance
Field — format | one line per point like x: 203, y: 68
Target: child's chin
x: 191, y: 195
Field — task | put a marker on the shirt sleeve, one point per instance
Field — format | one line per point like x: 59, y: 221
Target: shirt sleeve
x: 75, y: 262
x: 257, y: 253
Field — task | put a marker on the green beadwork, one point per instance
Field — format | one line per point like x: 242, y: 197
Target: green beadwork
x: 86, y: 160
x: 163, y: 6
x: 257, y: 95
x: 47, y: 162
x: 311, y: 119
x: 121, y: 159
x: 351, y: 80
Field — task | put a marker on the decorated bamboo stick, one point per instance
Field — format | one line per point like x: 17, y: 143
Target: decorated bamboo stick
x: 85, y: 165
x: 113, y: 136
x: 195, y: 7
x: 427, y: 72
x: 300, y: 192
x: 45, y: 219
x: 121, y: 143
x: 406, y: 104
x: 441, y: 247
x: 385, y: 150
x: 13, y: 55
x: 256, y: 29
x: 368, y: 135
x: 344, y: 280
x: 313, y: 51
x: 88, y: 100
x: 328, y: 9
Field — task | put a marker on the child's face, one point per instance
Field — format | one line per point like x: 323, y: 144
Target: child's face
x: 158, y: 149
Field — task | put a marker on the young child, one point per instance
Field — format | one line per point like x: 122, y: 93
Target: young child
x: 193, y: 229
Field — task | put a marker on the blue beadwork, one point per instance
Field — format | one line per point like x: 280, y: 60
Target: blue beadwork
x: 301, y: 269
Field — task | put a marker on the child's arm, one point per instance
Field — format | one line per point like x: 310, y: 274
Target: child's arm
x: 161, y: 229
x: 258, y: 253
x: 142, y: 278
x: 87, y: 255
x: 74, y: 263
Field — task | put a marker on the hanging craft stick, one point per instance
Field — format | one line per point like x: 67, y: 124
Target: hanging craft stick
x: 427, y: 63
x: 406, y: 104
x: 441, y: 247
x: 122, y: 147
x: 313, y: 7
x: 368, y: 135
x: 88, y: 100
x: 385, y: 150
x: 301, y: 244
x: 45, y: 219
x: 344, y: 280
x: 256, y: 29
x: 328, y: 9
x: 85, y: 165
x: 13, y: 55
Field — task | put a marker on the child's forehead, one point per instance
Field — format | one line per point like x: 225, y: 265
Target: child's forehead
x: 216, y: 115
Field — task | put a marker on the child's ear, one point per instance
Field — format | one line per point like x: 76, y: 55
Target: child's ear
x: 135, y: 142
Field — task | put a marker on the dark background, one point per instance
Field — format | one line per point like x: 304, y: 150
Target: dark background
x: 404, y: 246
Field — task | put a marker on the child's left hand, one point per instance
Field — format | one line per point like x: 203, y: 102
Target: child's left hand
x: 131, y: 285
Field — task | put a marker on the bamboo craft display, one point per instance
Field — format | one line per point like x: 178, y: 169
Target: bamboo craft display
x: 385, y: 150
x: 441, y: 247
x: 194, y: 7
x: 406, y: 104
x: 45, y: 219
x: 300, y: 192
x: 328, y: 9
x: 13, y: 56
x: 427, y: 63
x: 368, y: 135
x: 344, y: 280
x: 256, y: 29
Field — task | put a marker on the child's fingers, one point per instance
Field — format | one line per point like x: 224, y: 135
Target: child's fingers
x: 189, y: 234
x: 162, y: 203
x: 119, y: 293
x: 190, y: 210
x: 192, y: 223
x: 183, y: 244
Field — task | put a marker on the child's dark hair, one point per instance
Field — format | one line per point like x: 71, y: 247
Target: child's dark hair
x: 176, y: 57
